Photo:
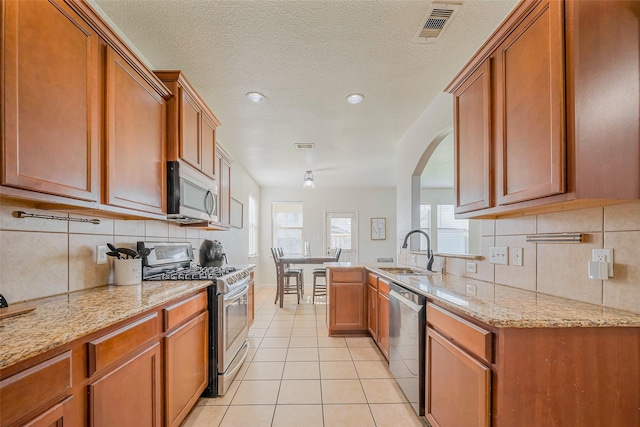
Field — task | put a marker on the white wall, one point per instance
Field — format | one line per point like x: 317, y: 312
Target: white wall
x: 436, y: 119
x: 368, y: 202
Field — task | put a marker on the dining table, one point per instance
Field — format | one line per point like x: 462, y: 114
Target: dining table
x: 300, y: 259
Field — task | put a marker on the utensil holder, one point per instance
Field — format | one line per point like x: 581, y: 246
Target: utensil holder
x: 128, y: 271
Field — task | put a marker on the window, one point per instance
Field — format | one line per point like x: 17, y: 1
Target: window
x: 425, y: 224
x: 253, y: 227
x: 453, y: 234
x: 287, y: 227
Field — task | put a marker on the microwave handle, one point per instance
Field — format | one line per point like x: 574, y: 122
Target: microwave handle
x: 209, y: 202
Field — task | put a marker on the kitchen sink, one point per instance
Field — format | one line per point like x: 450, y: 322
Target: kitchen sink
x: 404, y: 271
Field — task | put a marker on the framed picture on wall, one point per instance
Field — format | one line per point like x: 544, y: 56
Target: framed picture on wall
x: 378, y: 228
x: 236, y: 213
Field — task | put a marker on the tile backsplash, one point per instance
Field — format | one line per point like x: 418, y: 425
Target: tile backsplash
x: 40, y: 257
x: 560, y: 269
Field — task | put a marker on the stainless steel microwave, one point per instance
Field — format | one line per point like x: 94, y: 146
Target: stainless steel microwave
x: 191, y: 196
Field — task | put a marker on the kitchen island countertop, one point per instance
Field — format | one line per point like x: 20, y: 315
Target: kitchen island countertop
x: 503, y: 306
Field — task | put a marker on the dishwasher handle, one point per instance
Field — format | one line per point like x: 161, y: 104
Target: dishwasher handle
x: 413, y: 306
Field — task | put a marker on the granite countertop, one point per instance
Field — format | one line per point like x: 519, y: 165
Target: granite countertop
x: 61, y: 319
x: 504, y: 306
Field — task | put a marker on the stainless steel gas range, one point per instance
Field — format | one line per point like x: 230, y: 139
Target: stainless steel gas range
x: 228, y: 306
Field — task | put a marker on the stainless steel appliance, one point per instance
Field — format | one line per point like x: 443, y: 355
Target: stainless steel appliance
x: 407, y: 320
x: 192, y: 197
x: 212, y: 253
x: 228, y: 306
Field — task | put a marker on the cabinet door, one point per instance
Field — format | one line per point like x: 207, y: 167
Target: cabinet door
x: 348, y: 307
x: 472, y: 145
x: 135, y: 140
x: 208, y: 147
x: 39, y: 387
x: 190, y: 132
x: 530, y: 108
x: 224, y: 196
x: 53, y: 417
x: 128, y: 396
x: 251, y: 302
x: 50, y: 101
x: 372, y: 313
x: 458, y: 389
x: 383, y: 324
x: 186, y: 359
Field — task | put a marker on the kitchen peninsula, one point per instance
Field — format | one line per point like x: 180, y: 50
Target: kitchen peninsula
x: 510, y: 356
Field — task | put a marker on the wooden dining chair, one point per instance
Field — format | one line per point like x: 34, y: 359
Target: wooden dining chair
x: 320, y: 289
x: 282, y: 277
x: 290, y: 269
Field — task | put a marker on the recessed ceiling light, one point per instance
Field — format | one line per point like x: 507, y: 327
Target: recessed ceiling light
x: 355, y: 98
x: 255, y: 97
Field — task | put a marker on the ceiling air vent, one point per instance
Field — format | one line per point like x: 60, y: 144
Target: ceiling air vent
x: 438, y: 19
x: 305, y: 145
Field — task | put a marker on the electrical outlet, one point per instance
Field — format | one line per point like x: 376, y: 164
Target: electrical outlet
x: 101, y: 254
x: 472, y: 267
x: 517, y: 255
x: 603, y: 255
x: 499, y: 255
x: 413, y: 259
x: 471, y: 289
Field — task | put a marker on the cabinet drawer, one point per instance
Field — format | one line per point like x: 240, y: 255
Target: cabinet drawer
x: 383, y: 287
x: 373, y: 280
x: 35, y: 387
x: 347, y: 276
x: 461, y: 332
x: 109, y: 348
x: 181, y: 311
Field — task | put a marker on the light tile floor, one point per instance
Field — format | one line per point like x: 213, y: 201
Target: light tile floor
x: 295, y: 375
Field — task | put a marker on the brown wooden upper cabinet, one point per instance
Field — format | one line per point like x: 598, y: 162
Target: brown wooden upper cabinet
x: 135, y: 140
x: 84, y: 118
x: 191, y: 126
x: 51, y: 101
x: 539, y: 122
x: 223, y: 163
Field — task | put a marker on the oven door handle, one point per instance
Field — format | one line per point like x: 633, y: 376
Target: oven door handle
x: 236, y: 293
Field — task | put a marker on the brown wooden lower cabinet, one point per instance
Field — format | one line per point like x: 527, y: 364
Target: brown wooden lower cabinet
x: 251, y: 300
x: 134, y: 373
x: 458, y: 389
x: 477, y: 375
x: 130, y: 395
x: 185, y: 352
x: 383, y: 323
x: 347, y: 301
x: 372, y: 311
x: 38, y: 390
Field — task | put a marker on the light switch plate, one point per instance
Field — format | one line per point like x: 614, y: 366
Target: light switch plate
x: 499, y: 255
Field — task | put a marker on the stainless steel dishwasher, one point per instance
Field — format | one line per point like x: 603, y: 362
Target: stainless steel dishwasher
x: 407, y: 321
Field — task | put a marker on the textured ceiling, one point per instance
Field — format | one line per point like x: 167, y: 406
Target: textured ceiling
x: 306, y: 57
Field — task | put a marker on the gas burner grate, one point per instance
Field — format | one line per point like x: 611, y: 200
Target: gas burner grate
x: 195, y: 273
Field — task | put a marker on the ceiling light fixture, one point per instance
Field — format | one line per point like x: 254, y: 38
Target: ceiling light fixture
x: 308, y: 180
x: 255, y: 97
x: 355, y: 98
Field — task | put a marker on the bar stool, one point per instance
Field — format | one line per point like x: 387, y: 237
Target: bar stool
x: 320, y: 289
x: 283, y: 275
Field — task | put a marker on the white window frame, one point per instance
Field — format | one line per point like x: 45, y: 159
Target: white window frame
x: 275, y: 227
x: 252, y: 220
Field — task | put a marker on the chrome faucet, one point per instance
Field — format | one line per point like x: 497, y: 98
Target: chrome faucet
x: 429, y: 251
